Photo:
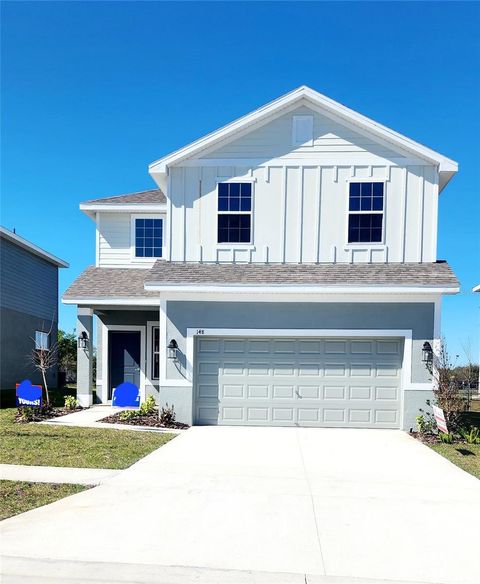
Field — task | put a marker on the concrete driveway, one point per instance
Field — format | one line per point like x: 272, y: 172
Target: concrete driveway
x: 261, y: 505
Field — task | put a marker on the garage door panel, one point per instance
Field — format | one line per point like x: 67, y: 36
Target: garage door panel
x: 306, y: 382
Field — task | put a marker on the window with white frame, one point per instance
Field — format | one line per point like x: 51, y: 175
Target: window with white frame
x: 155, y: 352
x: 42, y: 340
x: 148, y: 237
x: 365, y: 216
x: 234, y: 213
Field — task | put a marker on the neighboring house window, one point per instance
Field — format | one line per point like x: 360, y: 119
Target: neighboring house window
x: 42, y: 340
x: 148, y: 238
x: 365, y: 219
x: 234, y: 213
x: 155, y: 352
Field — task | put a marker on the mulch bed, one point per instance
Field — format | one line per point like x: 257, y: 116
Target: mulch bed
x: 434, y: 439
x: 40, y: 414
x: 150, y: 421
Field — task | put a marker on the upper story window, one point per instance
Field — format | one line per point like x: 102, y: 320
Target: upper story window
x: 234, y: 213
x: 42, y: 341
x: 365, y: 218
x: 148, y: 238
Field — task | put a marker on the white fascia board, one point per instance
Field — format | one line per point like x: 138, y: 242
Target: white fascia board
x: 124, y: 208
x: 282, y: 289
x: 476, y: 289
x: 317, y: 99
x: 102, y: 301
x: 32, y: 248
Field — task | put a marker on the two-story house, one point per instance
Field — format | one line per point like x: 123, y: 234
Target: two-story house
x: 284, y: 272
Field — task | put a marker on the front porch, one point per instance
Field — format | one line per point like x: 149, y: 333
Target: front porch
x: 127, y: 344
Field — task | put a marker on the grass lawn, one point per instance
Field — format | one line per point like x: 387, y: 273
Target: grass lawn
x: 42, y: 445
x: 466, y: 456
x: 19, y: 496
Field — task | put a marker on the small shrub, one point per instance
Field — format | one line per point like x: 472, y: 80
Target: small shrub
x: 148, y: 406
x: 425, y: 423
x: 71, y: 403
x: 445, y: 438
x: 167, y: 415
x: 471, y: 435
x: 128, y: 415
x: 26, y: 414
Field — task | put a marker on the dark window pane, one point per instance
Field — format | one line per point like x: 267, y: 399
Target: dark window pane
x: 366, y: 189
x: 148, y: 242
x: 234, y: 204
x: 234, y: 190
x: 376, y: 220
x: 365, y: 204
x: 148, y: 252
x: 378, y: 203
x: 223, y: 189
x: 156, y: 338
x: 233, y: 228
x: 354, y: 203
x: 376, y: 235
x: 354, y: 221
x: 148, y: 222
x: 223, y: 204
x: 139, y: 222
x: 156, y: 366
x: 139, y: 252
x: 354, y: 189
x: 246, y: 189
x: 378, y: 189
x: 245, y: 204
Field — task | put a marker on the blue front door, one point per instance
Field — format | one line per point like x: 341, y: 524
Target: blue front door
x: 123, y: 358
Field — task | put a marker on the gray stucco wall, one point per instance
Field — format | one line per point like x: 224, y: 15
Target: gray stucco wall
x: 417, y: 317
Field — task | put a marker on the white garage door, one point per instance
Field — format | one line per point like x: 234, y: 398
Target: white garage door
x: 331, y: 382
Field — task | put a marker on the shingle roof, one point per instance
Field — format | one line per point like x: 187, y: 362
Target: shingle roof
x: 129, y: 282
x: 110, y: 282
x: 409, y: 274
x: 150, y: 197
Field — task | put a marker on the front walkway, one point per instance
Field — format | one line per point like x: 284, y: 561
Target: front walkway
x: 261, y: 505
x: 55, y: 474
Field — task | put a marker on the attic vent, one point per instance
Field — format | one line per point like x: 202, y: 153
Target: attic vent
x: 302, y: 131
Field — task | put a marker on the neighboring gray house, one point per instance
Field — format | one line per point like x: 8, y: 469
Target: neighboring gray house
x: 28, y: 309
x: 283, y: 272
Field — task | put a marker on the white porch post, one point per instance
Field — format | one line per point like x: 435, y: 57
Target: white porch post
x: 84, y: 357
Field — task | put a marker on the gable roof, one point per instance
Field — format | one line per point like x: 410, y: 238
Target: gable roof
x: 308, y: 96
x: 150, y: 200
x: 32, y: 248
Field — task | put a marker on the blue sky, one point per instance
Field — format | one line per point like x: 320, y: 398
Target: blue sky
x: 94, y: 91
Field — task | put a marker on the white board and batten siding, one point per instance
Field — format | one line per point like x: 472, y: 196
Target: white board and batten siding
x: 300, y: 165
x: 300, y: 196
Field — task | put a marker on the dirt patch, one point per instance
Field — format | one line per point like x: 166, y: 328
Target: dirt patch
x: 149, y: 420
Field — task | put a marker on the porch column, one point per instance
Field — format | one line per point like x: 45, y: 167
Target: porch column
x: 84, y: 357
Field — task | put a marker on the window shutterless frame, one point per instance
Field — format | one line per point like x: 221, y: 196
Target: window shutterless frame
x: 133, y: 255
x: 382, y: 213
x: 250, y: 213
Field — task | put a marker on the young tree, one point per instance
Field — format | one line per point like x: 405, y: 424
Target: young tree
x: 43, y: 358
x: 447, y: 387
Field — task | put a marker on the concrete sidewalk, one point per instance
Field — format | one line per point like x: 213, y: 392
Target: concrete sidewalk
x: 56, y: 474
